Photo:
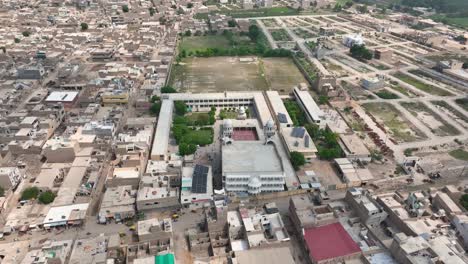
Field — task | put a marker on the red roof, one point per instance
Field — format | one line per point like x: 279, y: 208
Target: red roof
x: 329, y: 241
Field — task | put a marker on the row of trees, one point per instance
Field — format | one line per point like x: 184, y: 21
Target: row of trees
x: 32, y: 193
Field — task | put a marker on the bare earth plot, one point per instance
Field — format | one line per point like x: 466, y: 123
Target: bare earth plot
x: 219, y: 74
x: 282, y: 74
x: 432, y: 120
x: 397, y: 125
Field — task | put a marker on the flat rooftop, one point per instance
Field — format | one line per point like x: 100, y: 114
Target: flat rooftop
x: 61, y: 96
x: 329, y: 241
x: 250, y: 157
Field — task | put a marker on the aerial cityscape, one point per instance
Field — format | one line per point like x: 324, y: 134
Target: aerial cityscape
x: 233, y: 131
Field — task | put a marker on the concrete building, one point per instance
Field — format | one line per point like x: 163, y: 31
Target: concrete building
x: 354, y: 39
x: 298, y: 139
x: 304, y: 214
x: 118, y: 203
x: 154, y: 229
x: 313, y: 113
x: 66, y: 98
x: 197, y: 186
x: 124, y: 176
x: 104, y: 128
x: 354, y: 148
x: 443, y: 201
x: 373, y: 83
x: 115, y: 97
x: 163, y: 129
x: 50, y: 252
x: 330, y: 244
x: 252, y: 167
x: 461, y: 225
x: 383, y: 54
x: 95, y: 250
x: 10, y: 177
x: 68, y: 215
x: 370, y: 212
x: 275, y: 255
x: 60, y: 150
x: 155, y: 192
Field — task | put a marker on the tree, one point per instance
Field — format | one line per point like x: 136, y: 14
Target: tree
x: 162, y: 20
x: 337, y: 8
x: 297, y: 159
x: 47, y: 197
x: 198, y: 33
x: 84, y: 26
x: 168, y: 89
x: 323, y: 99
x: 232, y: 23
x: 155, y: 108
x: 152, y: 11
x: 17, y: 40
x: 189, y: 5
x: 180, y: 107
x: 154, y: 99
x: 125, y: 8
x: 187, y: 149
x: 30, y: 193
x: 254, y: 32
x: 464, y: 201
x: 188, y: 33
x: 26, y: 33
x: 360, y: 52
x: 362, y: 9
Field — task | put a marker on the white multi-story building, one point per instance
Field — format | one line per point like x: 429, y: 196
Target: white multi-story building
x: 252, y: 167
x: 10, y: 177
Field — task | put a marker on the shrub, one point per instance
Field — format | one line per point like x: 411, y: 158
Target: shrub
x: 47, y: 197
x: 168, y: 89
x: 464, y: 201
x: 26, y: 33
x: 30, y: 193
x: 180, y: 108
x: 84, y: 26
x: 297, y: 159
x: 125, y: 8
x: 155, y: 108
x: 360, y: 52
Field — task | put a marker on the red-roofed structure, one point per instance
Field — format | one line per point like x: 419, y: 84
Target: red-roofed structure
x: 330, y: 244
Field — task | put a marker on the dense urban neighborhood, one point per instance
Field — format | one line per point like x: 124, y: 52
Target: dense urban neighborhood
x: 233, y: 131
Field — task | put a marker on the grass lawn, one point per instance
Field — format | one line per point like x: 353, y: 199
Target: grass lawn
x: 282, y: 74
x: 430, y: 89
x: 459, y: 154
x: 463, y: 103
x: 203, y: 42
x: 280, y: 35
x: 385, y: 94
x: 197, y: 118
x: 192, y: 44
x: 461, y: 22
x: 199, y: 137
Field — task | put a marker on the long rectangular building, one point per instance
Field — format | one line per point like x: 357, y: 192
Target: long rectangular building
x: 313, y: 113
x: 279, y: 109
x: 163, y: 130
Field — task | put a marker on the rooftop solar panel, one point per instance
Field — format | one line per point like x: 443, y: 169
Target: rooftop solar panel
x: 282, y: 118
x: 199, y: 179
x: 298, y: 132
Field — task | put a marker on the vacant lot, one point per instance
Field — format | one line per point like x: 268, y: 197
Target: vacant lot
x: 282, y: 74
x: 280, y: 35
x: 219, y: 74
x: 432, y: 120
x: 430, y: 89
x: 399, y: 127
